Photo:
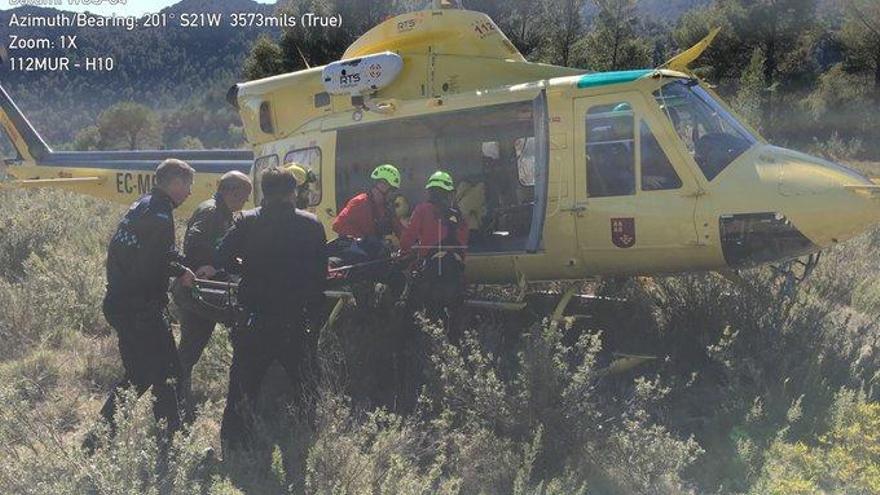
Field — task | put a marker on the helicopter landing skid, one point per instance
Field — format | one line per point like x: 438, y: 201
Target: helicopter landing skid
x: 796, y: 271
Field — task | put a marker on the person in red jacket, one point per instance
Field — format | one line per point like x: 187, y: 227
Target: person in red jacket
x: 362, y: 226
x: 438, y: 234
x: 436, y: 226
x: 369, y: 215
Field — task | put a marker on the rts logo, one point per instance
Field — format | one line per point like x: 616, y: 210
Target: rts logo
x: 406, y: 25
x: 349, y: 79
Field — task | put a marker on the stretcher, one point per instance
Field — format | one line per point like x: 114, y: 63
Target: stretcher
x: 217, y: 300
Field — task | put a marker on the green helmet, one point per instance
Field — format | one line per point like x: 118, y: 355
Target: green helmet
x: 387, y: 172
x: 440, y: 179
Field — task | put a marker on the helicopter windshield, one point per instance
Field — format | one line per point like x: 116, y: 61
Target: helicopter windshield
x: 712, y: 135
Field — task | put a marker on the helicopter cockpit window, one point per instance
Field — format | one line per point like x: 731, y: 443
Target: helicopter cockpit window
x: 710, y: 133
x: 611, y: 154
x: 657, y: 171
x: 309, y: 159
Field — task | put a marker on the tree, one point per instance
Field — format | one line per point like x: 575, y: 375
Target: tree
x: 777, y: 27
x: 520, y: 20
x: 130, y: 126
x: 88, y: 139
x: 264, y: 60
x: 189, y: 143
x: 302, y: 46
x: 613, y: 44
x: 840, y: 104
x: 724, y: 60
x: 749, y: 99
x: 861, y: 37
x: 562, y: 25
x: 786, y: 33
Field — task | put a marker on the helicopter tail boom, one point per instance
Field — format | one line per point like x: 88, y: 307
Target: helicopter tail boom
x: 22, y: 135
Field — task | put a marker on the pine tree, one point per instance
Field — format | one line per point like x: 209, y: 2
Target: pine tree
x: 613, y: 43
x: 264, y: 60
x: 562, y: 26
x: 750, y: 97
x: 861, y: 37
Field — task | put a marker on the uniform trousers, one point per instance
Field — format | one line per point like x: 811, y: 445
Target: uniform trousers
x: 150, y: 359
x: 257, y: 343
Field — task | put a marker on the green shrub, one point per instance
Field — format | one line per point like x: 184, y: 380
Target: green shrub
x: 845, y: 460
x: 381, y: 453
x: 35, y: 459
x: 51, y: 268
x: 210, y: 376
x: 33, y: 378
x: 99, y: 365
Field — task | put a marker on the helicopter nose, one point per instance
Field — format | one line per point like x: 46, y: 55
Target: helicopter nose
x: 828, y: 202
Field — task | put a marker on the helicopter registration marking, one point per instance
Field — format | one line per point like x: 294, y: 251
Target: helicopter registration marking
x: 128, y: 183
x: 623, y: 232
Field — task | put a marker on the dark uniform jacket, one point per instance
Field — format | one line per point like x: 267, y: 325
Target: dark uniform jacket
x: 207, y: 225
x: 142, y: 255
x: 283, y: 260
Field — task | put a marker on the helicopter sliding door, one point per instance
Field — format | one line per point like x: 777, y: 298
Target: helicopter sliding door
x: 496, y: 155
x: 638, y: 199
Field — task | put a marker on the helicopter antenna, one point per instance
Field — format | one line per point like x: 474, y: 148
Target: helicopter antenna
x: 302, y: 55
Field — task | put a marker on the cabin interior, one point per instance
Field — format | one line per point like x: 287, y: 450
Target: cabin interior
x: 490, y: 152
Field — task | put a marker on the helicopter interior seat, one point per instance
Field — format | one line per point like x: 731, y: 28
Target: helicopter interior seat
x: 508, y: 213
x: 493, y: 228
x: 610, y: 170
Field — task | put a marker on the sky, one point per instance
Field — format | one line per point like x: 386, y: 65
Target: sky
x: 105, y: 7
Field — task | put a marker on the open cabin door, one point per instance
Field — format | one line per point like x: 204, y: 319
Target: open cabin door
x: 496, y: 154
x: 638, y: 204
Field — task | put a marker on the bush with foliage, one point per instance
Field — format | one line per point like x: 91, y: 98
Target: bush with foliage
x: 753, y: 387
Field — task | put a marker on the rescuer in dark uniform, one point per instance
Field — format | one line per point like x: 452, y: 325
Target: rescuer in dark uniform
x: 283, y: 265
x: 207, y: 225
x: 140, y: 259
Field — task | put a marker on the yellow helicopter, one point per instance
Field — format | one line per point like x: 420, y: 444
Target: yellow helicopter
x: 562, y: 175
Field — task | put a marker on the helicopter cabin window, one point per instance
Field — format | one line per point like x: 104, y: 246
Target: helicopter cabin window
x: 711, y: 135
x: 489, y: 151
x: 525, y: 160
x: 657, y: 171
x: 266, y: 124
x: 310, y: 160
x: 611, y: 153
x: 261, y: 164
